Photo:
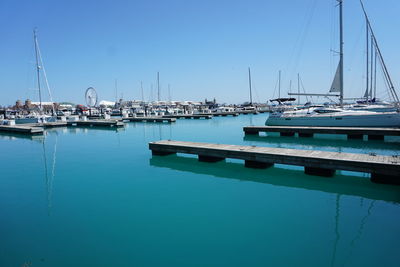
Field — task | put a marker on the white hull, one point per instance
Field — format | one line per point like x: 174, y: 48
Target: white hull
x: 389, y: 119
x: 35, y: 120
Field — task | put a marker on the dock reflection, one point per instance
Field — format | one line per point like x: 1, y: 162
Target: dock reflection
x: 339, y: 184
x: 16, y: 136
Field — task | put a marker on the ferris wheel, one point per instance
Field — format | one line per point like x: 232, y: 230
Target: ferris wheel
x: 91, y: 97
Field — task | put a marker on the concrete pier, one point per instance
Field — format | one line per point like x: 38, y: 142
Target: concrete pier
x: 322, y: 163
x: 305, y: 131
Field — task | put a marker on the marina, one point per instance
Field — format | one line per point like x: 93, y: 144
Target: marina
x: 304, y: 131
x: 383, y: 169
x: 192, y: 133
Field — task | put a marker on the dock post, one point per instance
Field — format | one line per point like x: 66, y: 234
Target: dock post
x: 287, y: 133
x: 384, y: 179
x: 257, y: 164
x: 319, y: 171
x: 376, y: 137
x: 354, y: 136
x: 204, y: 158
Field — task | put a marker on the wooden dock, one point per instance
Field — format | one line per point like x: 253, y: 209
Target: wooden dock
x: 22, y: 129
x: 97, y: 123
x: 383, y: 169
x: 149, y: 119
x: 189, y: 116
x: 305, y: 131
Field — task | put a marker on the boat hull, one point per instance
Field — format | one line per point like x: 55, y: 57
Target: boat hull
x: 35, y: 120
x: 375, y: 120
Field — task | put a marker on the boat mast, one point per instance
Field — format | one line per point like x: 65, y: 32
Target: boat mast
x: 141, y: 87
x: 341, y: 50
x: 367, y: 64
x: 116, y: 91
x: 37, y: 67
x: 251, y: 97
x: 378, y: 51
x: 279, y: 85
x: 371, y: 69
x: 298, y: 88
x: 158, y: 86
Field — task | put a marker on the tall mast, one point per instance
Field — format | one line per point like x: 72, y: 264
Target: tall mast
x: 251, y: 97
x: 367, y: 64
x: 378, y: 51
x: 141, y: 87
x: 372, y: 68
x: 298, y: 88
x: 158, y: 85
x: 279, y: 85
x: 37, y: 67
x: 341, y: 50
x: 169, y: 92
x: 375, y: 74
x: 116, y: 91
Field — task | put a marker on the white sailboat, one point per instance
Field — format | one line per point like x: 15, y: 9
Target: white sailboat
x: 39, y: 117
x: 340, y: 116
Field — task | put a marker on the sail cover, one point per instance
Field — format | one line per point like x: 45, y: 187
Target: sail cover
x: 335, y: 87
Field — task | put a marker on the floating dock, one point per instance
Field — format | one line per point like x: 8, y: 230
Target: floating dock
x: 22, y: 129
x: 149, y: 119
x: 383, y: 169
x: 189, y: 116
x: 98, y: 123
x: 305, y: 131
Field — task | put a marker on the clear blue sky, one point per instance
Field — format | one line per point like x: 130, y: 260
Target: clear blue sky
x: 201, y: 48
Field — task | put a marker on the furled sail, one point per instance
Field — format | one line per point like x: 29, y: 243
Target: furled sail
x: 335, y: 87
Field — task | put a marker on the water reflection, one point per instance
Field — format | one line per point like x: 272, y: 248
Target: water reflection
x: 340, y: 184
x: 16, y: 136
x: 49, y: 174
x: 86, y: 129
x: 337, y: 235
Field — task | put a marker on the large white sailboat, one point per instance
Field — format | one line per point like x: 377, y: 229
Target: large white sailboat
x: 340, y: 116
x: 39, y: 116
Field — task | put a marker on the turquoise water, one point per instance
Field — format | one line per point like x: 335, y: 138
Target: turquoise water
x: 96, y: 197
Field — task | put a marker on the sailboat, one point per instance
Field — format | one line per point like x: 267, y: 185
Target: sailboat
x: 340, y: 116
x: 40, y: 117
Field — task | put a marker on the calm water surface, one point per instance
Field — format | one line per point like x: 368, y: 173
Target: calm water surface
x: 96, y: 197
